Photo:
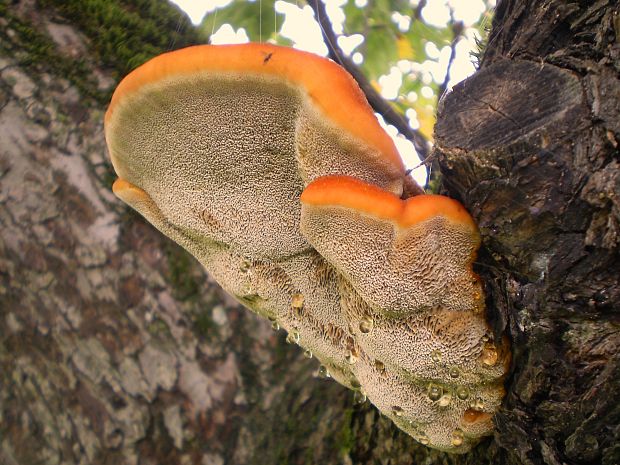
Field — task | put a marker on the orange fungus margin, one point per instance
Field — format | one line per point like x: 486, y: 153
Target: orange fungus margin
x: 329, y: 86
x: 349, y: 192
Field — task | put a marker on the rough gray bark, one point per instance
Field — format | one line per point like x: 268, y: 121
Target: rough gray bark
x: 116, y: 348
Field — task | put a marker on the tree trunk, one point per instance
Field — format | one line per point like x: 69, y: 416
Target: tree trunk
x: 115, y: 347
x: 530, y: 143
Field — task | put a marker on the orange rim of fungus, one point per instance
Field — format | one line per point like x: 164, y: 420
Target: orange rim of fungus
x: 471, y: 417
x: 328, y: 85
x: 349, y: 192
x: 121, y: 186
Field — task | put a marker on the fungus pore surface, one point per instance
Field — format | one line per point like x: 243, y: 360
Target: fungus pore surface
x: 269, y: 166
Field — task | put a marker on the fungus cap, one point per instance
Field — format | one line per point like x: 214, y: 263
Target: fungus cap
x: 342, y: 101
x: 217, y: 145
x: 224, y: 138
x: 389, y: 249
x: 349, y: 192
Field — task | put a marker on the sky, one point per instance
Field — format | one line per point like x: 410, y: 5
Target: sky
x: 300, y: 27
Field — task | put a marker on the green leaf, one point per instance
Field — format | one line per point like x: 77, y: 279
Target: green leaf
x: 258, y: 18
x: 355, y: 18
x: 411, y: 84
x: 381, y: 52
x: 420, y: 33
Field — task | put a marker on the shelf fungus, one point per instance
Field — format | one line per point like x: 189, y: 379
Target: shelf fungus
x: 269, y: 166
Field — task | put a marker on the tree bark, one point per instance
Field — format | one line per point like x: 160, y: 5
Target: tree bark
x: 115, y: 347
x: 530, y: 144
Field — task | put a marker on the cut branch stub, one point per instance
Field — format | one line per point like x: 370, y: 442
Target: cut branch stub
x: 215, y: 145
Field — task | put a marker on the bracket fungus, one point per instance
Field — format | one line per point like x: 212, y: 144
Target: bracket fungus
x: 269, y: 166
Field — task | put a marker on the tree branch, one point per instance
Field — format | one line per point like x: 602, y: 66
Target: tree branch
x: 378, y: 103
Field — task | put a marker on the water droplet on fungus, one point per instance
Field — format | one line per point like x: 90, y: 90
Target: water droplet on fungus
x: 244, y: 265
x: 397, y: 411
x: 457, y: 437
x: 366, y: 324
x: 359, y: 397
x: 462, y: 392
x: 436, y: 356
x: 293, y: 337
x: 475, y: 416
x: 454, y: 372
x: 477, y: 404
x: 308, y: 353
x: 323, y: 372
x: 246, y: 288
x: 274, y: 323
x: 350, y: 356
x: 445, y: 400
x: 434, y: 392
x: 380, y: 366
x: 424, y: 439
x: 489, y: 355
x: 355, y: 384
